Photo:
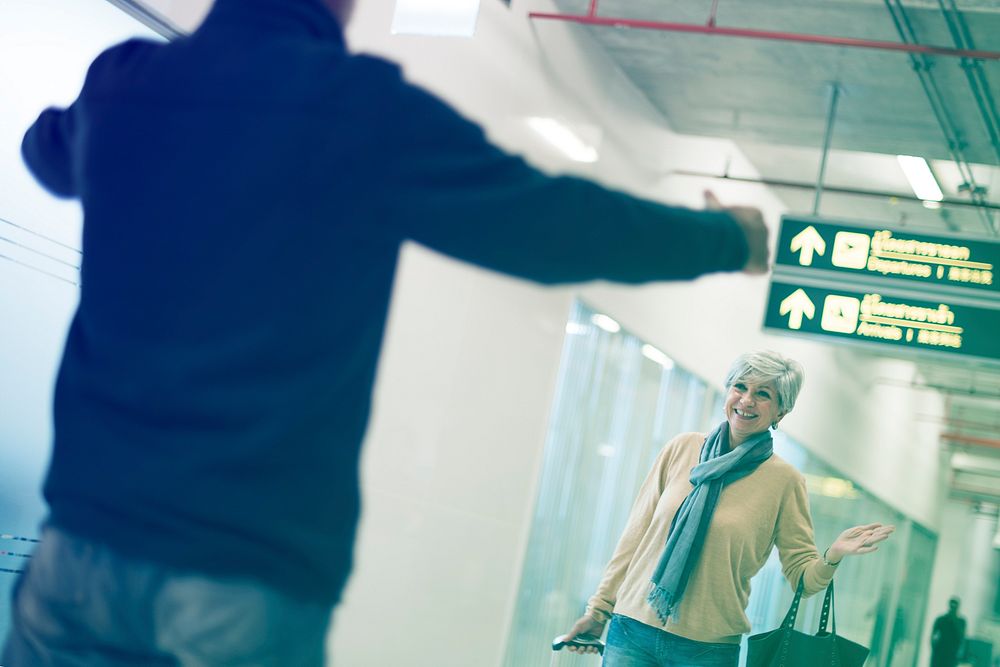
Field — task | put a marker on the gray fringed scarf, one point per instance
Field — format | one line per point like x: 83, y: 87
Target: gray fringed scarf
x: 687, y: 531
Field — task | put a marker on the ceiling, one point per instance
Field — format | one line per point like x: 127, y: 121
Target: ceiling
x: 773, y: 97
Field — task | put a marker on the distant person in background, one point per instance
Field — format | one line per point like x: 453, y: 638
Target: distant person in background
x: 246, y: 191
x: 947, y: 637
x: 880, y: 612
x: 703, y: 525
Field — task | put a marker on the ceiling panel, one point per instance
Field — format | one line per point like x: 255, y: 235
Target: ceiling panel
x: 779, y: 92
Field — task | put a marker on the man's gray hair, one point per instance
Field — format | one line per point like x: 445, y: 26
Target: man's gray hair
x: 769, y: 366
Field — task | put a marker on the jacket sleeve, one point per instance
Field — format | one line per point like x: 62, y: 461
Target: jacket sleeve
x: 456, y: 193
x: 50, y: 146
x: 602, y: 603
x: 797, y: 544
x: 47, y: 149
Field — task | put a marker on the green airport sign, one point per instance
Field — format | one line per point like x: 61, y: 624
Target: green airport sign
x: 884, y: 319
x: 875, y: 253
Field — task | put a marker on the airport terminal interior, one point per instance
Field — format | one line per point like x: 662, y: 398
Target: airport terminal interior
x: 513, y: 423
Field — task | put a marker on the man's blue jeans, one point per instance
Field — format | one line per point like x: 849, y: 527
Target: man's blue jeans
x: 634, y: 644
x: 80, y: 604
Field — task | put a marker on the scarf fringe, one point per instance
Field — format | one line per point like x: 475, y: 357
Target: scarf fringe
x: 663, y: 603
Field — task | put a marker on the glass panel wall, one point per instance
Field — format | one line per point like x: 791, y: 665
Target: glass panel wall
x: 617, y: 403
x: 46, y: 47
x: 614, y: 408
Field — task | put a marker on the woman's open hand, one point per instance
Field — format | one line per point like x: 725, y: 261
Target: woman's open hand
x: 858, y: 540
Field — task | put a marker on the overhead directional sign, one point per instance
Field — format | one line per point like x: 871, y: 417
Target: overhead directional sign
x: 807, y: 242
x: 876, y: 253
x: 795, y: 306
x: 883, y: 318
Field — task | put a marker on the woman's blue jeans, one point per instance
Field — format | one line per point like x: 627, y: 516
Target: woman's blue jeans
x: 634, y: 644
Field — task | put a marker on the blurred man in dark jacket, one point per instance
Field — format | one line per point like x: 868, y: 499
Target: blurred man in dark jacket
x: 947, y: 637
x: 245, y: 192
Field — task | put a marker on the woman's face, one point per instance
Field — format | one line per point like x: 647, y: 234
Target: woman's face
x: 750, y: 409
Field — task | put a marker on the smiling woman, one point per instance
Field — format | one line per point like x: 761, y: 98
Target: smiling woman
x: 762, y: 389
x: 704, y: 523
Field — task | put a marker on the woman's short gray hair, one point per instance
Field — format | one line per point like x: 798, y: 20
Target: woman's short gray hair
x: 768, y: 366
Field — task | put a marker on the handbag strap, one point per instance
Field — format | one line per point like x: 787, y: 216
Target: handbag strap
x: 829, y: 615
x: 828, y: 610
x: 789, y: 623
x: 793, y: 609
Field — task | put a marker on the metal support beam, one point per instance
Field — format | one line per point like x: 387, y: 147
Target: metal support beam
x: 978, y: 82
x: 149, y: 18
x: 922, y: 66
x: 802, y: 185
x: 830, y: 116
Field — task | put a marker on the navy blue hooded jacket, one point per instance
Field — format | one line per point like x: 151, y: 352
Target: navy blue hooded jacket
x: 245, y: 191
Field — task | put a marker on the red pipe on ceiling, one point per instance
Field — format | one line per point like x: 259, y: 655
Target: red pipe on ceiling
x: 593, y: 19
x: 966, y: 440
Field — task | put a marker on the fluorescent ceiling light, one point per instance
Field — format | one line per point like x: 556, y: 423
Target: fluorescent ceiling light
x: 606, y: 323
x: 605, y: 450
x: 654, y: 354
x: 918, y: 173
x: 563, y: 138
x: 831, y: 487
x: 576, y: 329
x: 438, y: 18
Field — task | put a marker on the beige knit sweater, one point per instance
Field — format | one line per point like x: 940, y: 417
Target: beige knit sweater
x: 766, y: 508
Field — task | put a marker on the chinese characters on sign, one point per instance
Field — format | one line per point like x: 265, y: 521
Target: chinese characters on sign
x: 884, y: 318
x: 936, y: 260
x: 870, y: 308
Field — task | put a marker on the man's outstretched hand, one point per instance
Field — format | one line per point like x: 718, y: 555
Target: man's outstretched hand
x: 751, y: 221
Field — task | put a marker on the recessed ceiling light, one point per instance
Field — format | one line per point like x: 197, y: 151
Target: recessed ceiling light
x: 605, y: 323
x: 921, y: 179
x: 656, y: 355
x: 563, y: 138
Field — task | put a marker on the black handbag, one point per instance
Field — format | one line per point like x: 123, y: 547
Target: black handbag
x: 787, y: 647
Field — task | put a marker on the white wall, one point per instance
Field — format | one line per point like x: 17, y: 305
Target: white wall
x: 468, y: 371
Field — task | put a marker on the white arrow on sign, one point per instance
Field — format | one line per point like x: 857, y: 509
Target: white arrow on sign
x: 808, y: 241
x: 795, y: 305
